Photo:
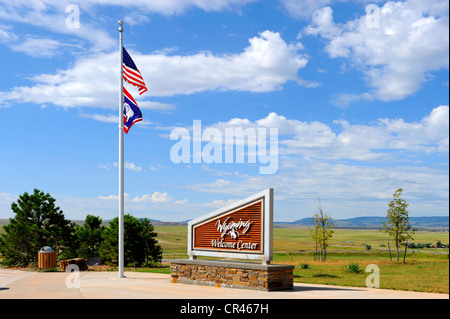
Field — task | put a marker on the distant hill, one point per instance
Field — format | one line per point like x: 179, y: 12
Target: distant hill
x: 160, y: 223
x: 434, y: 222
x: 156, y: 222
x: 4, y: 221
x: 373, y: 222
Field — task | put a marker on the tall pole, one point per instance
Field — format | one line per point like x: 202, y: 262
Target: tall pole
x: 121, y: 162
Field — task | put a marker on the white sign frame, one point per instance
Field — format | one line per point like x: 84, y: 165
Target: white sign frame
x: 265, y: 254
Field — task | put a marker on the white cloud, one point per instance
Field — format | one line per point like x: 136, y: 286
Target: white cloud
x: 322, y: 23
x: 156, y: 197
x: 114, y: 197
x: 317, y: 160
x: 429, y: 135
x: 397, y: 55
x: 135, y: 18
x: 374, y: 142
x: 266, y: 65
x: 170, y: 7
x: 158, y: 205
x: 104, y: 166
x: 345, y: 190
x: 6, y: 199
x: 313, y: 163
x: 108, y: 118
x: 40, y: 47
x: 90, y: 82
x: 111, y: 118
x: 127, y: 165
x: 5, y: 35
x: 132, y: 167
x: 219, y: 203
x: 52, y: 16
x: 304, y: 9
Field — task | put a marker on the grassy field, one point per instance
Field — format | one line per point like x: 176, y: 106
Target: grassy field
x: 174, y: 239
x: 427, y: 270
x: 421, y: 272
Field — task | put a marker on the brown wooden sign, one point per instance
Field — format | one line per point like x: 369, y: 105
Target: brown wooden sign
x: 238, y: 230
x: 241, y: 230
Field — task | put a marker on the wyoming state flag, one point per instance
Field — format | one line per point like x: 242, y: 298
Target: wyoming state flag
x: 131, y: 111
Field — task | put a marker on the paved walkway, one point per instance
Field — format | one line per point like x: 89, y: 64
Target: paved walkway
x: 106, y: 285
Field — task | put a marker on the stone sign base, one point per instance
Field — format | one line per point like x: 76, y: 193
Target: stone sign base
x: 231, y: 274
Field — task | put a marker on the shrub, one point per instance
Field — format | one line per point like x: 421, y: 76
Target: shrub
x: 354, y: 268
x: 304, y: 266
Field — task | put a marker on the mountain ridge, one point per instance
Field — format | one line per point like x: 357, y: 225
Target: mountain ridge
x: 373, y: 222
x: 440, y: 222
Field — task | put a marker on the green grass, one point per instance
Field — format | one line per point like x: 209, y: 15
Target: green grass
x: 415, y: 275
x: 173, y: 239
x: 426, y: 272
x: 422, y: 271
x: 296, y: 239
x: 158, y: 270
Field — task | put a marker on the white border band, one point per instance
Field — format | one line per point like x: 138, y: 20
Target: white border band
x: 266, y: 254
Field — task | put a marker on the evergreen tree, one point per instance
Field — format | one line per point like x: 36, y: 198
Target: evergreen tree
x: 90, y: 237
x: 153, y: 251
x: 38, y: 222
x: 140, y: 244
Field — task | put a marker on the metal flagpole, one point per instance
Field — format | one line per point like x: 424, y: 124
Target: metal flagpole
x: 121, y: 162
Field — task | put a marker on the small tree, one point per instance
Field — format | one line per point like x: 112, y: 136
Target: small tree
x: 322, y: 232
x: 397, y: 224
x: 90, y: 237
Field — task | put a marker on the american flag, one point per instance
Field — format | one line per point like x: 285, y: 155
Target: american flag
x: 131, y: 73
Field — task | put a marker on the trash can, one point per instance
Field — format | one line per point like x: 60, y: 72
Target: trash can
x: 46, y: 257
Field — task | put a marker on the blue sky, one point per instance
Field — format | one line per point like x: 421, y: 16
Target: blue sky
x: 358, y: 91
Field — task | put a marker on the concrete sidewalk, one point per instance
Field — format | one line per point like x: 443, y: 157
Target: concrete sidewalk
x: 106, y: 285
